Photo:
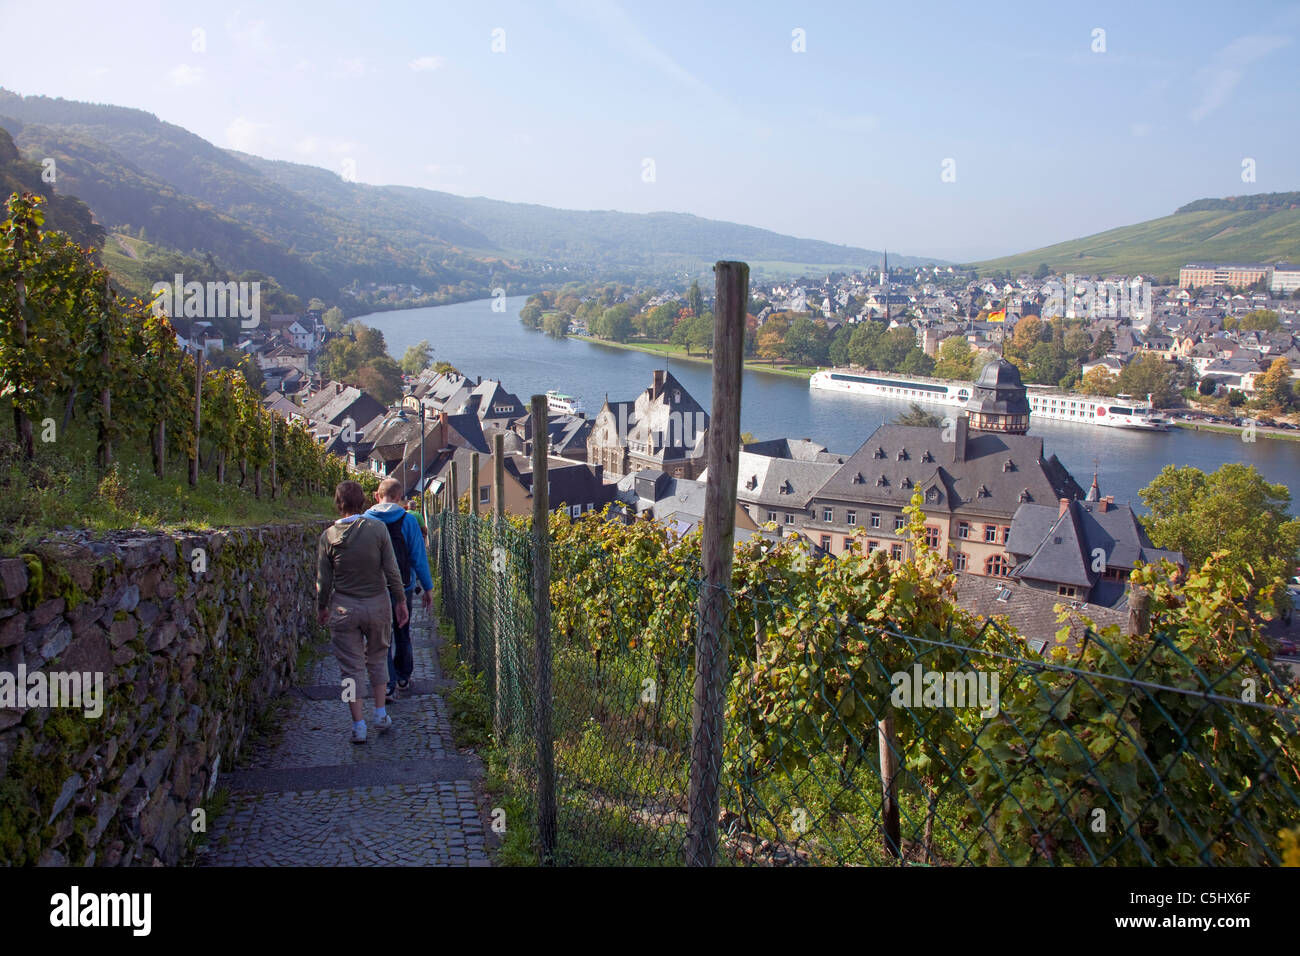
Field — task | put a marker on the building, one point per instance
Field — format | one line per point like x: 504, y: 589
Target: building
x: 1195, y: 276
x: 1286, y: 278
x: 972, y: 480
x: 777, y: 479
x: 677, y: 503
x: 663, y: 427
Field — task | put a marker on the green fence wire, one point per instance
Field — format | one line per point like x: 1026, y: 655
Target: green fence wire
x: 848, y: 742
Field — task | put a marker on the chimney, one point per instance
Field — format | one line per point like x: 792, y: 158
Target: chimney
x: 1065, y: 506
x: 1107, y: 503
x: 338, y: 388
x: 660, y: 378
x: 959, y: 443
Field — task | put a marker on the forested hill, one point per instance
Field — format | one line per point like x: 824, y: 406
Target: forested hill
x: 317, y: 234
x: 64, y: 213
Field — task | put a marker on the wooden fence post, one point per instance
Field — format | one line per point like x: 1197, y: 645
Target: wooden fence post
x: 546, y: 815
x: 499, y: 582
x: 723, y: 438
x: 889, y: 784
x: 198, y: 408
x: 475, y: 553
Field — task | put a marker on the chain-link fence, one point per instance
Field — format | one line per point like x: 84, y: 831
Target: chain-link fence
x: 847, y: 741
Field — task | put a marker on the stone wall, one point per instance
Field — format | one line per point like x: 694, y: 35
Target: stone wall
x: 190, y: 656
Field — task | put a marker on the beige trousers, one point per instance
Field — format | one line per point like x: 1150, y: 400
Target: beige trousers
x: 361, y: 629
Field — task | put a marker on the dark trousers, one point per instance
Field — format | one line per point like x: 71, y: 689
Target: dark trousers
x: 401, y: 659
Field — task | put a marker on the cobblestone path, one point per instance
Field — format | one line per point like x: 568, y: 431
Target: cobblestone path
x: 310, y: 797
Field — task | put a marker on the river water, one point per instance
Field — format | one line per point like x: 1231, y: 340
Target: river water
x: 481, y: 341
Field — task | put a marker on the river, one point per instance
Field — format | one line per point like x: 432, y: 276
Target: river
x: 481, y: 341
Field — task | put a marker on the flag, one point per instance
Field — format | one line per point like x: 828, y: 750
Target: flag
x: 999, y: 316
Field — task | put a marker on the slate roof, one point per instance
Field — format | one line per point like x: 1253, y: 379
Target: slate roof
x: 781, y: 481
x: 1031, y: 611
x: 997, y: 471
x: 335, y: 402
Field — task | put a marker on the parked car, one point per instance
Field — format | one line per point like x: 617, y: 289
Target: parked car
x: 1286, y: 646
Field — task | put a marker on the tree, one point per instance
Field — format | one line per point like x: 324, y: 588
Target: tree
x: 1076, y: 343
x: 333, y: 318
x: 1027, y: 333
x: 1260, y: 320
x: 1043, y: 271
x: 1105, y: 343
x: 1046, y: 363
x: 1232, y: 510
x: 695, y: 298
x: 556, y: 324
x: 699, y: 332
x: 659, y: 323
x: 956, y: 360
x: 1274, y: 386
x: 371, y: 343
x: 417, y: 357
x: 315, y: 305
x: 382, y: 378
x: 1149, y: 375
x: 531, y: 314
x: 1099, y: 381
x: 892, y: 348
x: 615, y: 323
x: 916, y: 362
x: 916, y: 415
x: 1207, y: 386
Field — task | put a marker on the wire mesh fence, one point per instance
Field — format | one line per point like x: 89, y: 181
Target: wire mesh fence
x: 849, y: 742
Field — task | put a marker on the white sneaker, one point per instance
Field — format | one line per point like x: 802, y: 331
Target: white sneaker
x: 384, y: 723
x: 359, y: 733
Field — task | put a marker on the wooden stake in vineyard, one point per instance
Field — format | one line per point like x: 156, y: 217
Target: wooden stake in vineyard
x: 198, y: 410
x: 105, y: 394
x: 22, y: 424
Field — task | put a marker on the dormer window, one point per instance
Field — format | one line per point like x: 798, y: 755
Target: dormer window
x: 932, y: 495
x: 752, y: 483
x: 787, y: 488
x: 1025, y: 496
x: 1008, y: 465
x: 902, y: 454
x: 927, y: 456
x: 907, y: 482
x: 878, y: 453
x: 982, y: 493
x: 857, y: 478
x: 882, y: 482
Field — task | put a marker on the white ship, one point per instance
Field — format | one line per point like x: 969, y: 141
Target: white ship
x: 1045, y: 401
x: 562, y: 404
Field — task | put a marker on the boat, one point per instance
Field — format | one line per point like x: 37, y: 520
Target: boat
x: 1045, y: 401
x: 562, y: 404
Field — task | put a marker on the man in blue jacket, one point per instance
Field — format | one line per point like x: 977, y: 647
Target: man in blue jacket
x: 413, y: 562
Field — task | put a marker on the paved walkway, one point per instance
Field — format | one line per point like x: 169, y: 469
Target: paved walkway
x: 310, y: 797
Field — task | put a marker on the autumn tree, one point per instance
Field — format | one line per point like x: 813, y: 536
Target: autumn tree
x: 417, y: 357
x: 956, y: 360
x: 1274, y: 386
x: 1099, y: 381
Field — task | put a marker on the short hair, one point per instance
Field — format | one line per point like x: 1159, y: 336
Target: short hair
x: 349, y: 498
x: 390, y: 489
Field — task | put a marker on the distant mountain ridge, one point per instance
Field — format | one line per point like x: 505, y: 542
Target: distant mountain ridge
x: 1264, y: 227
x: 317, y: 234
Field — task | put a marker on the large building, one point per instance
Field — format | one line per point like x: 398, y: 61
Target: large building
x: 1194, y: 276
x: 973, y: 477
x: 663, y: 428
x: 1286, y: 278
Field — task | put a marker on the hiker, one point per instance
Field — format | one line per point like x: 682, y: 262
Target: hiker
x: 413, y: 507
x: 413, y: 563
x: 355, y: 565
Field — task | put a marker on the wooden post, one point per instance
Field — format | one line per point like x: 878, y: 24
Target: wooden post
x: 105, y: 394
x: 476, y: 550
x: 732, y: 283
x: 473, y: 484
x: 198, y: 408
x: 889, y: 784
x: 22, y: 424
x: 1139, y: 611
x: 499, y: 582
x: 546, y: 824
x: 275, y: 485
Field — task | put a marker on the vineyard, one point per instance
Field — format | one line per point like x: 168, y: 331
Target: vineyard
x: 1172, y: 746
x: 77, y: 359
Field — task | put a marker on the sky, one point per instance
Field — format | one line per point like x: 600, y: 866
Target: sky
x: 959, y: 131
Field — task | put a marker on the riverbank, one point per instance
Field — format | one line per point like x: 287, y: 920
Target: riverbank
x: 679, y: 352
x: 1238, y: 429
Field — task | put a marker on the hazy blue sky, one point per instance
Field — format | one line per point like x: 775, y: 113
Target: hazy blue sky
x: 845, y: 141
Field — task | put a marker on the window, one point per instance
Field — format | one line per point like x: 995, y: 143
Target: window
x: 991, y: 533
x: 484, y: 494
x: 959, y: 560
x: 1065, y: 590
x: 896, y: 552
x: 1004, y: 595
x: 963, y: 529
x: 575, y: 510
x: 872, y: 546
x: 771, y: 516
x: 899, y: 522
x: 997, y: 566
x: 826, y: 542
x: 932, y: 536
x: 828, y: 515
x: 875, y: 519
x: 1006, y: 533
x: 789, y: 518
x: 851, y: 517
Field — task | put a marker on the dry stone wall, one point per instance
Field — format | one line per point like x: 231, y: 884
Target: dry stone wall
x: 189, y: 637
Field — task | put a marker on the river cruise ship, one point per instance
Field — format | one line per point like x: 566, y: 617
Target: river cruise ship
x: 561, y: 404
x: 1045, y: 401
